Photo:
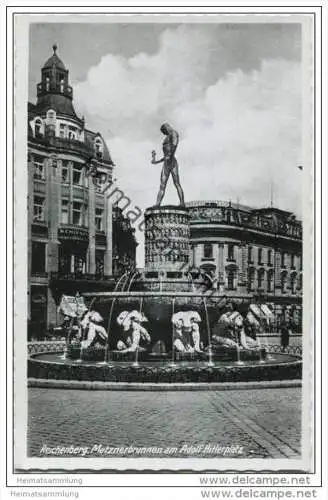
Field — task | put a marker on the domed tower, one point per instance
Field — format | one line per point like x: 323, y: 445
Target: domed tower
x: 54, y: 91
x: 70, y: 216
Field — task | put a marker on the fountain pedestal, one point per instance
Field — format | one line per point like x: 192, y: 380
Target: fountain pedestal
x: 167, y: 248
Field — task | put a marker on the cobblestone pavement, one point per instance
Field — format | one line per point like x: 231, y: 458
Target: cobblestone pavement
x: 258, y: 423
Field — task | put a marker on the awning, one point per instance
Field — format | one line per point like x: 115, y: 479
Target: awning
x: 72, y: 306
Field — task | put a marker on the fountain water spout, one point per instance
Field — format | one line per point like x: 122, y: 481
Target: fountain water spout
x: 172, y: 362
x: 210, y: 354
x: 106, y: 360
x: 131, y: 280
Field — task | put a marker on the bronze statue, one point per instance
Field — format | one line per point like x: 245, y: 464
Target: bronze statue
x: 170, y: 166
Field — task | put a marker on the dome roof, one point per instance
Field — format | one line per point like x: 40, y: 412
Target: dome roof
x: 60, y: 103
x: 54, y: 61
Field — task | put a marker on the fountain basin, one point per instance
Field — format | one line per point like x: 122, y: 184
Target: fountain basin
x: 51, y: 366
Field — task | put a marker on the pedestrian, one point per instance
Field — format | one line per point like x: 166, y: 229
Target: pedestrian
x: 285, y: 334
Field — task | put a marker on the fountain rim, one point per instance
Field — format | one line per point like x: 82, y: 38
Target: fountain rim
x: 149, y: 294
x: 33, y: 382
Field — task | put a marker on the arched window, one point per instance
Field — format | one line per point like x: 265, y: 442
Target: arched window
x: 61, y: 86
x: 47, y: 83
x: 38, y: 127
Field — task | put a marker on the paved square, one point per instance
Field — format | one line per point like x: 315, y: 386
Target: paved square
x: 262, y: 423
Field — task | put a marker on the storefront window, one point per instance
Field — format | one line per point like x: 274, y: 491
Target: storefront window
x: 99, y: 262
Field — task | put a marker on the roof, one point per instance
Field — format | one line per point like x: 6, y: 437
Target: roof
x: 89, y: 138
x: 60, y: 103
x: 54, y: 61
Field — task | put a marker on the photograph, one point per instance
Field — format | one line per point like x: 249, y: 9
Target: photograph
x: 164, y: 221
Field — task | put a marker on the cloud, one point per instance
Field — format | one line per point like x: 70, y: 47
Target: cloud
x: 238, y: 134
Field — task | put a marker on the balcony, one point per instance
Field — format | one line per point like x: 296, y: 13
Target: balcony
x: 63, y: 144
x: 72, y: 145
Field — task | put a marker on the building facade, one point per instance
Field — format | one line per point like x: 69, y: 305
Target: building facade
x: 70, y: 220
x: 250, y: 253
x: 124, y: 243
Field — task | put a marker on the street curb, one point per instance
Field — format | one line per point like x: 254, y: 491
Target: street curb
x: 130, y: 386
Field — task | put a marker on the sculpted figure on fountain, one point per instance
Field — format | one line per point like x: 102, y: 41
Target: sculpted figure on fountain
x: 186, y: 331
x: 133, y: 333
x: 232, y: 331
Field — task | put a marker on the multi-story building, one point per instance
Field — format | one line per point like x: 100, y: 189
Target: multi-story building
x: 248, y: 252
x: 70, y: 221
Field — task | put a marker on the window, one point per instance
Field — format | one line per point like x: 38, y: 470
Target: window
x: 38, y: 128
x: 293, y: 283
x: 62, y: 130
x: 38, y: 257
x: 38, y: 208
x: 251, y: 277
x: 260, y: 279
x: 250, y: 254
x: 79, y: 264
x: 283, y: 259
x: 64, y: 219
x: 72, y: 133
x: 99, y: 262
x: 99, y: 219
x: 283, y: 282
x: 39, y: 170
x: 47, y: 83
x: 270, y: 281
x: 99, y: 148
x: 300, y: 282
x: 65, y: 259
x: 292, y: 261
x: 269, y: 257
x: 51, y: 114
x: 65, y: 173
x: 231, y: 279
x: 61, y: 86
x: 208, y: 251
x: 231, y: 251
x: 77, y: 213
x: 77, y: 176
x: 259, y: 255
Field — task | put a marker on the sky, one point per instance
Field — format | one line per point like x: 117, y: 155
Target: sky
x: 232, y: 91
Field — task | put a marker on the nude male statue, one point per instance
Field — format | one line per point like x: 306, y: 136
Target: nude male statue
x: 170, y: 166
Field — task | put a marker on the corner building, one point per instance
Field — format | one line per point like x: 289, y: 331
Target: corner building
x: 247, y: 252
x: 70, y: 228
